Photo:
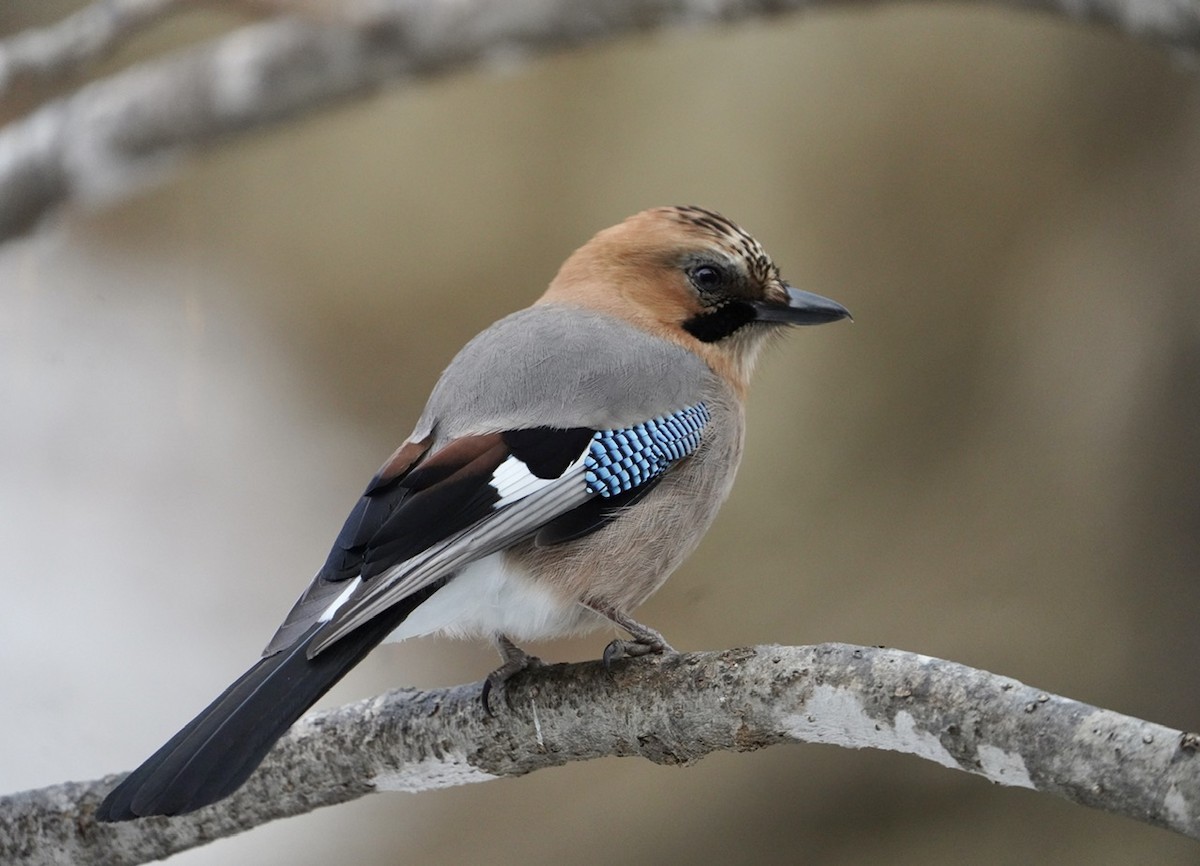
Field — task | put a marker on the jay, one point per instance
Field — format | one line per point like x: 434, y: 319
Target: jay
x: 569, y: 458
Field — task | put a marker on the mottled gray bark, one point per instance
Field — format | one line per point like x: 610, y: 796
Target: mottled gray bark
x: 114, y: 135
x: 673, y: 710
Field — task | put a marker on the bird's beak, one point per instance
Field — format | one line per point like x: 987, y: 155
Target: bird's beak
x: 802, y: 308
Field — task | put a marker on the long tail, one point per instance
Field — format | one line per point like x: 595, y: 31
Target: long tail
x: 218, y: 750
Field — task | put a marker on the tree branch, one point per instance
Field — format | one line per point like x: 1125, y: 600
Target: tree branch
x: 114, y: 135
x: 51, y: 53
x: 673, y: 710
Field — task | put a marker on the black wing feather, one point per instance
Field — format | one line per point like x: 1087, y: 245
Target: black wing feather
x: 445, y: 497
x: 548, y: 451
x: 436, y: 514
x: 384, y: 494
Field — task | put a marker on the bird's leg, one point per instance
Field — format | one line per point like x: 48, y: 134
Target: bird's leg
x: 645, y: 639
x: 514, y: 661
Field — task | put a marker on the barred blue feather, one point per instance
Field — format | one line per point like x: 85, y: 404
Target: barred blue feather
x: 620, y: 460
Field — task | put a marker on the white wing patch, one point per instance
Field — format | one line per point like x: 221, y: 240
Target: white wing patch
x: 513, y: 481
x: 532, y: 501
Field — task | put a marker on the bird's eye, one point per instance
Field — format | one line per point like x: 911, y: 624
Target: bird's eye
x: 706, y: 278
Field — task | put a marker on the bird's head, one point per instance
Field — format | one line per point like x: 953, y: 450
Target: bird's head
x: 693, y: 277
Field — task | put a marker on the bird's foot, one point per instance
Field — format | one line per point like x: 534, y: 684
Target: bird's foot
x: 645, y: 641
x: 627, y: 649
x: 515, y: 660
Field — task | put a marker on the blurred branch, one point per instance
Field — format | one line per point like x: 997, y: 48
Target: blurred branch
x: 49, y: 53
x: 114, y: 135
x: 672, y: 710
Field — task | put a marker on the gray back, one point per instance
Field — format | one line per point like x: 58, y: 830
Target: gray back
x: 556, y: 366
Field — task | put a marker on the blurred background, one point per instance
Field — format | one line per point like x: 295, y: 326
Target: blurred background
x: 997, y: 463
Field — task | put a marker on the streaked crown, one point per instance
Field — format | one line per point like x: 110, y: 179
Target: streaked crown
x: 727, y: 234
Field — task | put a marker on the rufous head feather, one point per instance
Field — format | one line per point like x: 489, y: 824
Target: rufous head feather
x: 694, y: 277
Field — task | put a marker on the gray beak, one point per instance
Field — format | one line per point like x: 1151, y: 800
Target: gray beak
x: 802, y: 308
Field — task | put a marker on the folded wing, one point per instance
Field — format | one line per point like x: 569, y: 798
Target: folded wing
x: 427, y: 514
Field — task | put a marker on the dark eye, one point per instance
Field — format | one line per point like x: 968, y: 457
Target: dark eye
x: 706, y: 278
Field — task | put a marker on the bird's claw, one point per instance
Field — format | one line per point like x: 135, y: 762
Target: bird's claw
x: 622, y: 649
x: 490, y: 684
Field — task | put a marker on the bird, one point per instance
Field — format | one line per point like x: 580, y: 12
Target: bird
x: 568, y: 459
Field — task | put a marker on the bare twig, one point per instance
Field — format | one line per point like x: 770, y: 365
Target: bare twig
x: 50, y: 53
x: 673, y: 711
x: 110, y: 137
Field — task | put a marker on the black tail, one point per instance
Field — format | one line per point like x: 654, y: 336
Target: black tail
x: 219, y: 749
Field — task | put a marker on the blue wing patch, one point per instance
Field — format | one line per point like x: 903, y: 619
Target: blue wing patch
x: 620, y: 460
